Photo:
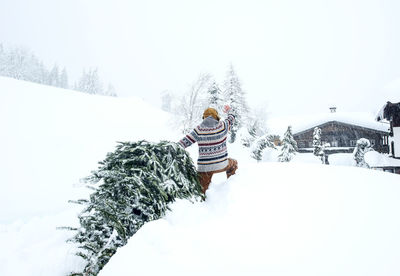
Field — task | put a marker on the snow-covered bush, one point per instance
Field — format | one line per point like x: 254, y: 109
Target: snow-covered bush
x: 289, y: 146
x: 248, y: 136
x: 260, y: 144
x: 133, y: 185
x: 363, y: 146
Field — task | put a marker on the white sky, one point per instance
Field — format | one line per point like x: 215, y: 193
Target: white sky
x: 293, y: 56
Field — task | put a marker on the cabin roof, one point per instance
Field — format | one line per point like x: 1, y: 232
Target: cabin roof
x: 306, y: 122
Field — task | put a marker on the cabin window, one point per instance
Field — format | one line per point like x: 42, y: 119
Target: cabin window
x: 384, y: 140
x: 310, y: 144
x: 353, y: 143
x: 334, y: 144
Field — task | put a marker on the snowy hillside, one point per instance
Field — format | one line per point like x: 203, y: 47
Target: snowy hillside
x: 269, y: 219
x: 51, y: 137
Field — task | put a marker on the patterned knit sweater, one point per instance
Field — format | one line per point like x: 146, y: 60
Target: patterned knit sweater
x: 211, y: 136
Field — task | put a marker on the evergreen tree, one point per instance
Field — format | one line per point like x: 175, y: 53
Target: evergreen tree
x: 33, y: 70
x: 2, y: 61
x: 133, y: 185
x: 110, y: 91
x: 15, y: 60
x: 215, y: 96
x: 90, y: 82
x: 260, y: 144
x: 235, y: 98
x: 289, y: 146
x: 363, y: 146
x: 43, y: 74
x: 19, y: 63
x: 54, y: 77
x: 63, y: 83
x: 319, y: 147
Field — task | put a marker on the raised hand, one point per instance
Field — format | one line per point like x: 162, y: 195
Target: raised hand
x: 227, y: 108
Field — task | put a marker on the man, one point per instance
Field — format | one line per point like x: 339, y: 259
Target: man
x: 211, y: 136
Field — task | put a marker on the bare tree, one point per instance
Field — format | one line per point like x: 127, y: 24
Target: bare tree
x: 193, y: 103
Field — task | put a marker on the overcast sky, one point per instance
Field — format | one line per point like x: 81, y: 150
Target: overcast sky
x: 291, y: 56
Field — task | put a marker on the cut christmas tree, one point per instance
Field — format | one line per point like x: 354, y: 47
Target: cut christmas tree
x: 133, y: 185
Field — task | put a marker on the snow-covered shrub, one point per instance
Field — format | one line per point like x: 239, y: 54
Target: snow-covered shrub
x: 248, y: 136
x: 133, y: 185
x: 260, y: 144
x: 289, y: 146
x: 363, y: 146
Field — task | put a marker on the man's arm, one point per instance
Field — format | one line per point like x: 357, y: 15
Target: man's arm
x: 188, y: 140
x: 231, y: 118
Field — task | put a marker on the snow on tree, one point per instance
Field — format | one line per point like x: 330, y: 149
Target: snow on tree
x: 319, y: 147
x: 260, y: 144
x: 133, y: 185
x: 289, y: 146
x: 193, y: 104
x: 42, y: 74
x: 255, y: 125
x: 2, y: 60
x: 63, y: 79
x: 258, y: 116
x: 19, y: 63
x: 215, y: 96
x: 166, y: 101
x: 250, y: 136
x: 54, y: 78
x: 235, y: 98
x: 90, y: 82
x: 110, y: 91
x: 363, y: 145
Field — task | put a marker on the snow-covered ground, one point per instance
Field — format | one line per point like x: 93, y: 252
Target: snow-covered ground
x: 298, y: 218
x: 276, y: 219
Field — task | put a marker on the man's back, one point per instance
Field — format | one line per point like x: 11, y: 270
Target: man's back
x: 211, y: 135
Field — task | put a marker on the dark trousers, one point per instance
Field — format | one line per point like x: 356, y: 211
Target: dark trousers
x: 205, y: 177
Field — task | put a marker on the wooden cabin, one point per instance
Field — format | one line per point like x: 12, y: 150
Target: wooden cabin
x: 391, y: 113
x: 342, y: 137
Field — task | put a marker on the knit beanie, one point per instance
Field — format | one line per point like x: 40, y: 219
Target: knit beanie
x: 211, y: 112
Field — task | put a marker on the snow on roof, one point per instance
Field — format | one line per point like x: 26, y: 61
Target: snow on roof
x: 376, y: 159
x: 305, y: 122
